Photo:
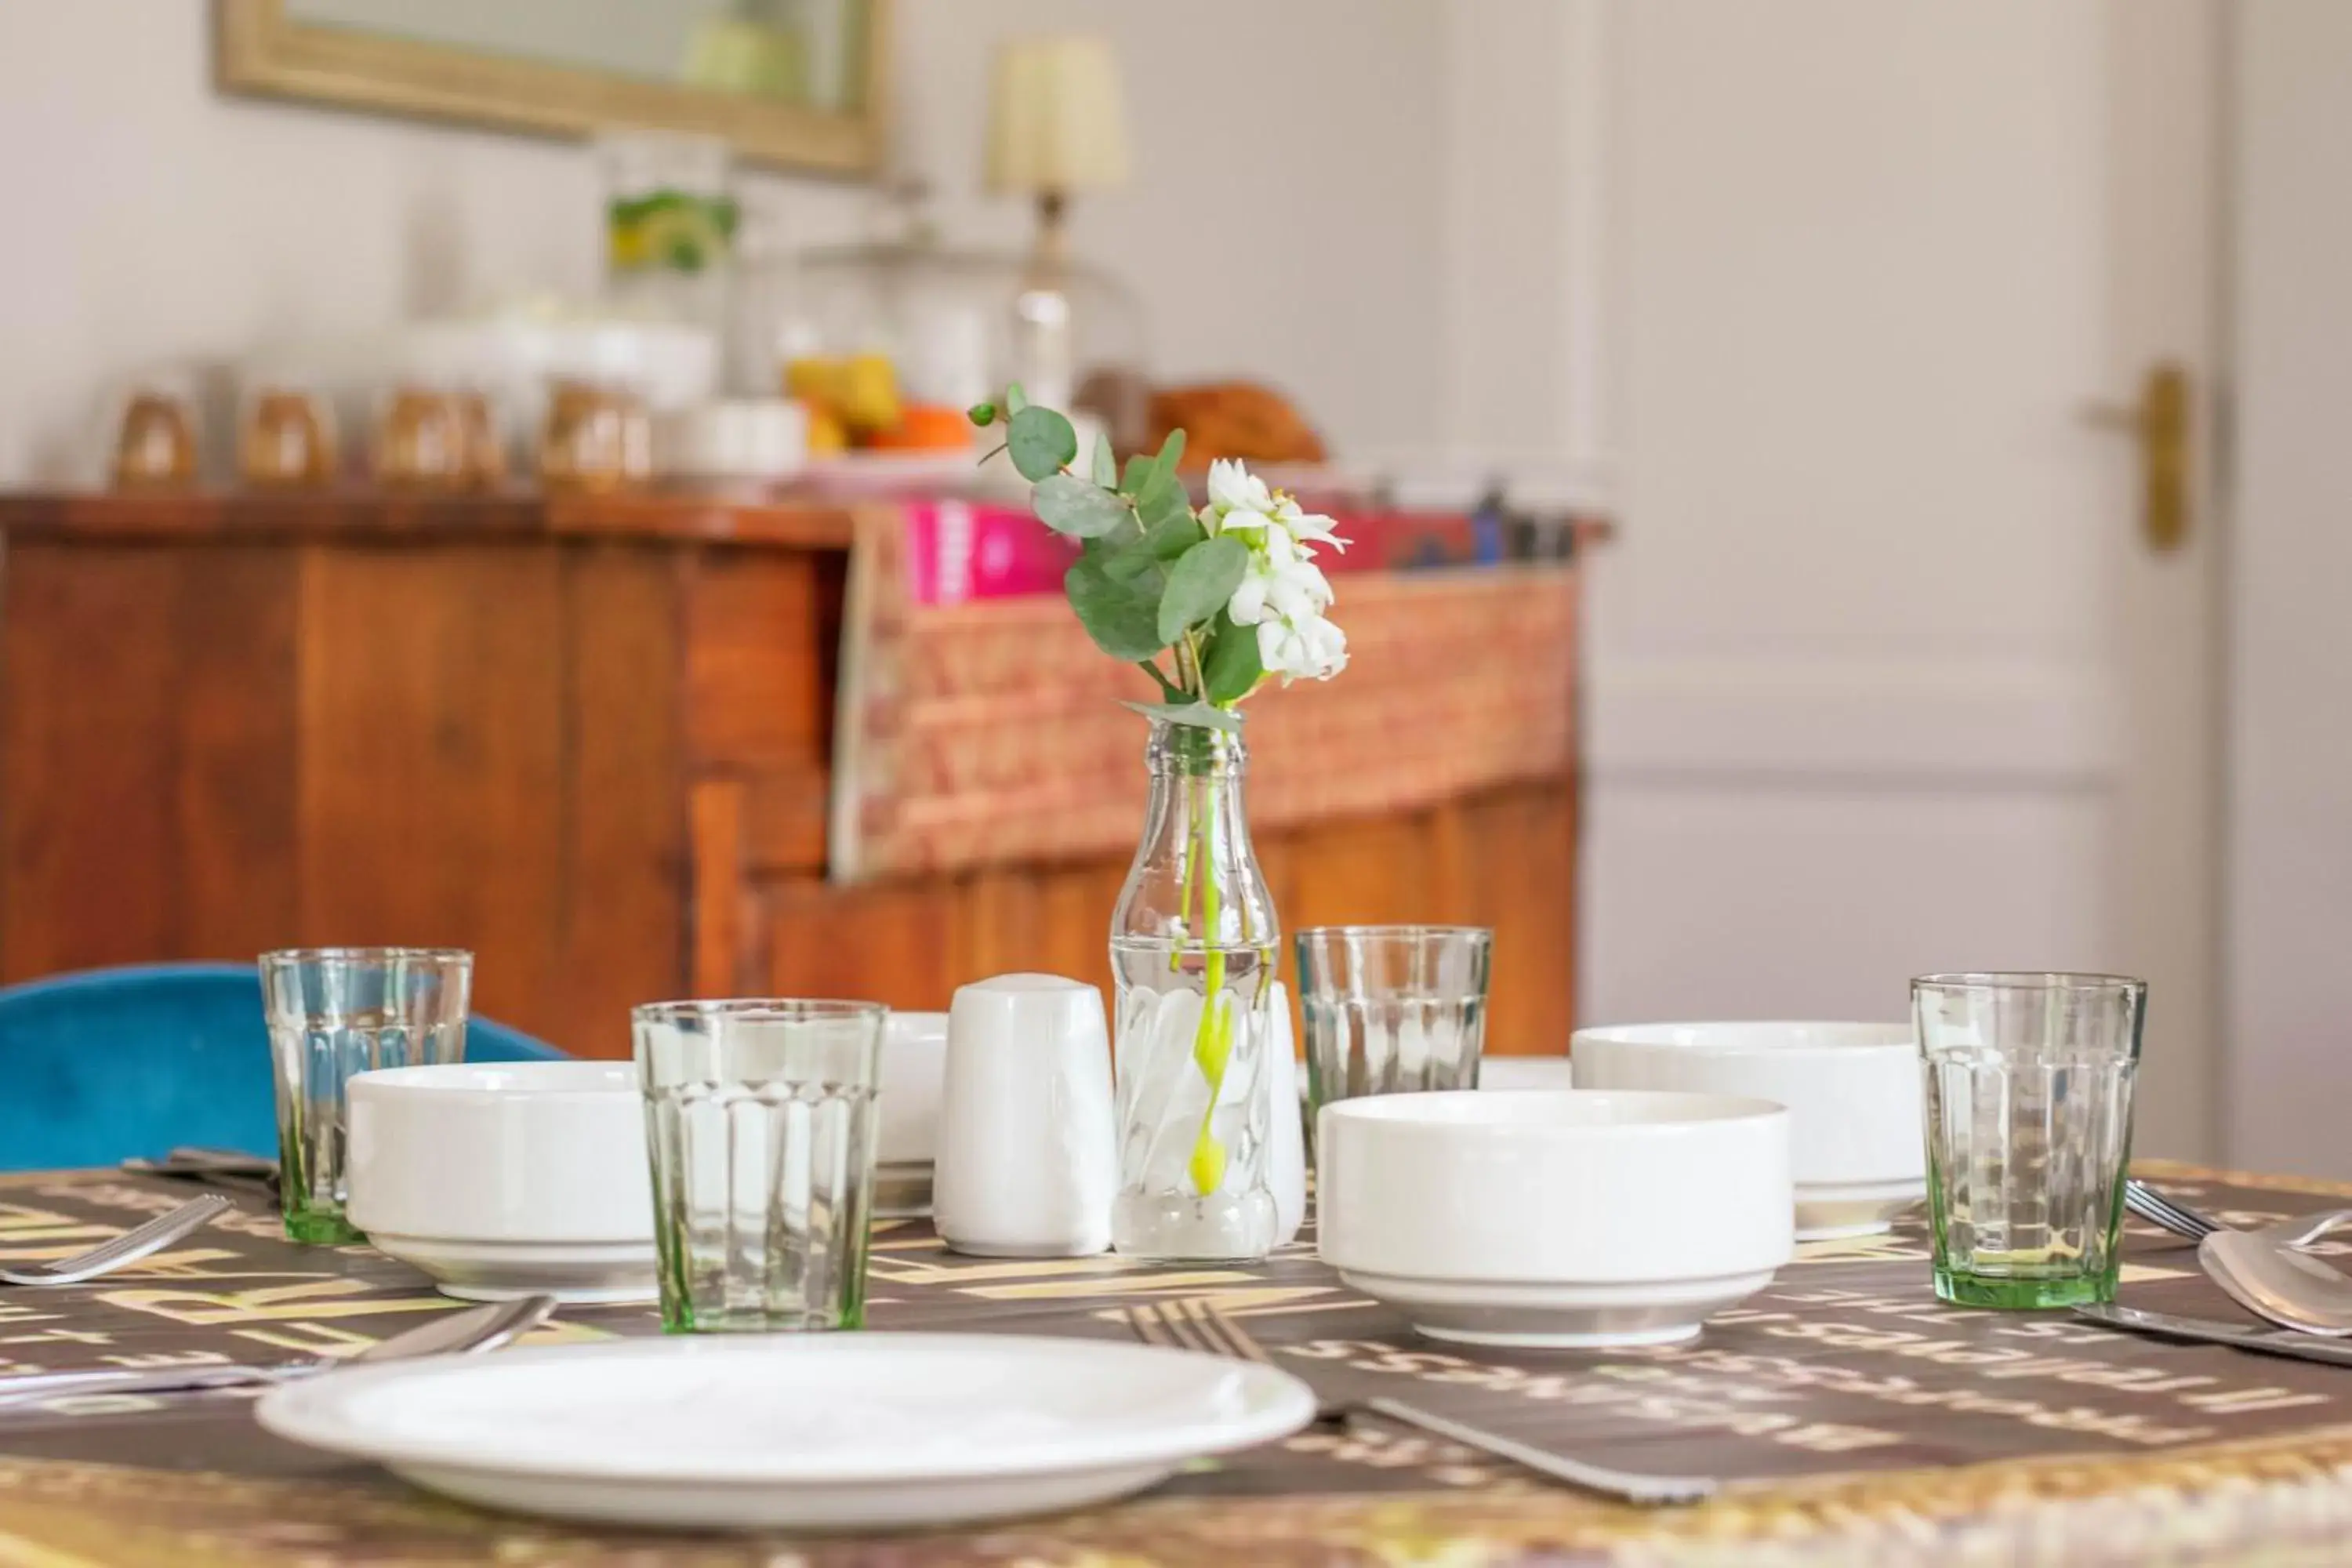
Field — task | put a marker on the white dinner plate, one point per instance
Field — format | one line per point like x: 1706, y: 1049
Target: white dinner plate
x: 852, y: 1431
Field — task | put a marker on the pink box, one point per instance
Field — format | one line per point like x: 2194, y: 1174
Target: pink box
x: 959, y: 551
x: 973, y: 550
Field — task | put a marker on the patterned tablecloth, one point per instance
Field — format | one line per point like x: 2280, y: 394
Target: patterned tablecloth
x: 1860, y: 1420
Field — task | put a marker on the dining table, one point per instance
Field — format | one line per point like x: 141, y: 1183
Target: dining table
x: 1851, y: 1417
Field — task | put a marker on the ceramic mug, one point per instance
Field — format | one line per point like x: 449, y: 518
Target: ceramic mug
x: 1028, y: 1155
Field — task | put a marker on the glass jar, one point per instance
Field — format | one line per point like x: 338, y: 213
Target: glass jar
x: 421, y: 441
x: 598, y: 437
x: 670, y: 216
x: 156, y: 436
x: 286, y: 436
x: 485, y: 449
x: 1192, y: 944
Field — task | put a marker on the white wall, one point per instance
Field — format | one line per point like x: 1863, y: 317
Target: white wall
x: 2289, y: 899
x: 1289, y: 220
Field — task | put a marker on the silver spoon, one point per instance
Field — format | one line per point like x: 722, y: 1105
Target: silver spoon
x: 475, y: 1330
x: 129, y: 1248
x: 2278, y: 1283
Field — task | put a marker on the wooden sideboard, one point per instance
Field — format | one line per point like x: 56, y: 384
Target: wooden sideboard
x: 592, y: 740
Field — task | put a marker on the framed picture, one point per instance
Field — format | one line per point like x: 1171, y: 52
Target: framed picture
x: 794, y: 84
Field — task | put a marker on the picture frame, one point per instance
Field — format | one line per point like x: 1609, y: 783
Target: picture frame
x: 263, y: 50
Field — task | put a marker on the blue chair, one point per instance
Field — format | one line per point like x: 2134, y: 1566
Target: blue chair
x: 101, y: 1065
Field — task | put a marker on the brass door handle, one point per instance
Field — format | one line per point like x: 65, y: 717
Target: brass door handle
x: 2160, y: 422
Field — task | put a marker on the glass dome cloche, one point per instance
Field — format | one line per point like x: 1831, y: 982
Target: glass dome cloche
x: 889, y: 340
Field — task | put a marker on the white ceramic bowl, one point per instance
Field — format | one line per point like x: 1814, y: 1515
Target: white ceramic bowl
x: 1856, y: 1147
x: 509, y: 1178
x: 914, y: 1073
x: 914, y: 1068
x: 1554, y: 1218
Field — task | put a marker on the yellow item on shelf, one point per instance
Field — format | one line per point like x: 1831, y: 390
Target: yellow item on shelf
x: 815, y: 379
x: 826, y: 435
x: 859, y: 395
x: 868, y: 395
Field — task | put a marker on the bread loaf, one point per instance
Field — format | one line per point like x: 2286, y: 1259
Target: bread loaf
x: 1234, y: 419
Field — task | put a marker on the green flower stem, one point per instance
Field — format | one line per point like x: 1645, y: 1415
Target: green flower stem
x: 1213, y: 1042
x: 1187, y: 684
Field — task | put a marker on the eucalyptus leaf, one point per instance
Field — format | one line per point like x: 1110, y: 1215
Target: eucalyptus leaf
x: 1138, y: 469
x: 1120, y: 620
x: 1163, y: 501
x: 1200, y: 584
x: 1106, y: 470
x: 1079, y: 508
x: 1231, y: 669
x: 1200, y: 715
x: 1042, y: 441
x: 1173, y: 536
x: 1133, y: 564
x: 1162, y: 475
x: 1161, y: 493
x: 1015, y: 400
x: 1143, y: 558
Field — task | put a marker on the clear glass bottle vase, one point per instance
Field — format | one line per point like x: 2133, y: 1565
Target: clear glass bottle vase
x: 1192, y: 944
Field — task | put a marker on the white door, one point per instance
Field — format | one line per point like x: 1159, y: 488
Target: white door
x: 2290, y: 660
x: 1886, y: 676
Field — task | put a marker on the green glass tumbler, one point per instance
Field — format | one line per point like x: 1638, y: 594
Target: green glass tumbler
x: 760, y: 1122
x: 333, y: 1012
x: 2028, y: 1081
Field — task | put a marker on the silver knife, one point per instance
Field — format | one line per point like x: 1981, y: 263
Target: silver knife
x: 34, y: 1387
x: 467, y: 1331
x: 2205, y: 1330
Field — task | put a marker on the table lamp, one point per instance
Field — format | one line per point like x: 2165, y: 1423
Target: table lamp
x: 1057, y: 126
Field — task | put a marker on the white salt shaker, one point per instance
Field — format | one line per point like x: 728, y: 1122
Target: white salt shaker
x: 1028, y: 1142
x: 1285, y: 1121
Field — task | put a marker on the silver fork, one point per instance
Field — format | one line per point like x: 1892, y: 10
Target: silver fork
x: 129, y: 1248
x: 2177, y: 1217
x: 1195, y: 1324
x: 2164, y: 1213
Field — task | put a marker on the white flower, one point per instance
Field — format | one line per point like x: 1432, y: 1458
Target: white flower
x: 1239, y: 502
x: 1282, y: 593
x: 1292, y: 591
x: 1315, y: 649
x: 1312, y: 527
x: 1232, y: 489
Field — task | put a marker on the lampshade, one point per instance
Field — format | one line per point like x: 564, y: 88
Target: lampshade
x: 1057, y: 123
